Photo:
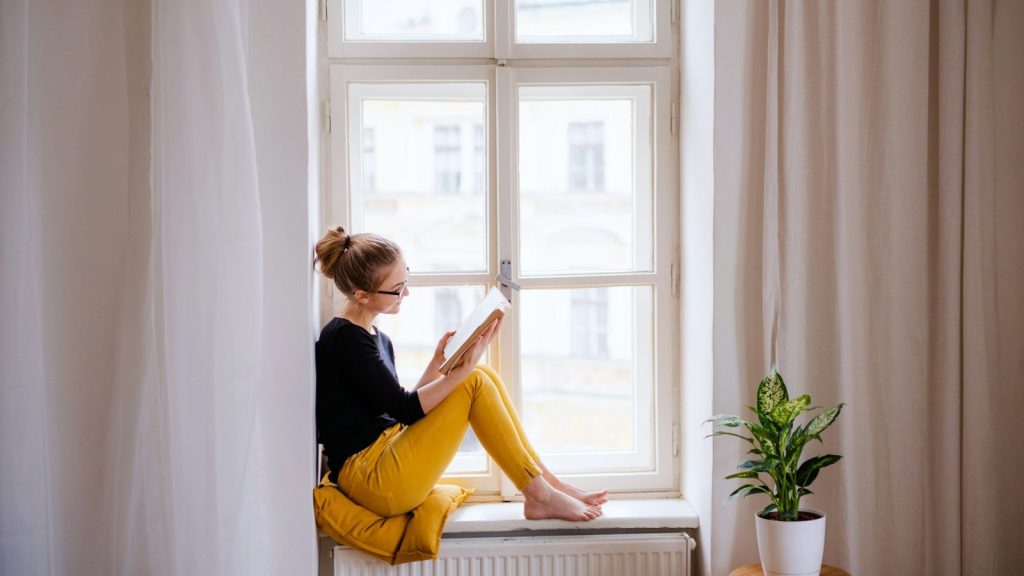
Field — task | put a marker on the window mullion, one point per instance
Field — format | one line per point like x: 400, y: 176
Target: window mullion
x: 507, y: 232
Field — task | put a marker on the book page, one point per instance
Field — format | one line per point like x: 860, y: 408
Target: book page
x: 492, y: 306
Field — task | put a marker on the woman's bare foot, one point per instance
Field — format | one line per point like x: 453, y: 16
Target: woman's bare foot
x: 544, y: 501
x: 591, y: 498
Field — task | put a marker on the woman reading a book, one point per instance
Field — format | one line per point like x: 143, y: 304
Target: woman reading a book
x: 386, y: 446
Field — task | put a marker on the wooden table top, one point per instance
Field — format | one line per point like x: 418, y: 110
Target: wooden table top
x: 755, y: 570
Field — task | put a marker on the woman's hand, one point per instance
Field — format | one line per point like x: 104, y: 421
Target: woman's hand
x: 432, y: 370
x: 431, y: 393
x: 472, y: 356
x: 438, y: 358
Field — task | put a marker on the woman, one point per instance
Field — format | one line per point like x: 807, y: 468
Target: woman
x: 386, y: 447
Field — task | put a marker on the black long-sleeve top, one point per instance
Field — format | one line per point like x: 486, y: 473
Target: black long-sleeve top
x: 358, y: 395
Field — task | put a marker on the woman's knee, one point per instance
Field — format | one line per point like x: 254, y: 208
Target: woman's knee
x: 477, y: 380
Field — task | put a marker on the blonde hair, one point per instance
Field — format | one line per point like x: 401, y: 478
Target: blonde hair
x: 355, y: 261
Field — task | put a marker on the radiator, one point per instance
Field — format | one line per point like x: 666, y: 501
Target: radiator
x: 576, y: 555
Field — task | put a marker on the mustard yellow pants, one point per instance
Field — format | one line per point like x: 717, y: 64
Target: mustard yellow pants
x: 395, y: 473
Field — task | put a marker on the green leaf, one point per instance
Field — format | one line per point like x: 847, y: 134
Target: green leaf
x: 757, y: 465
x: 769, y: 508
x: 745, y: 474
x: 762, y: 489
x: 808, y: 471
x: 823, y: 420
x: 740, y: 489
x: 749, y: 489
x: 771, y: 392
x: 727, y: 420
x: 783, y: 414
x: 724, y: 433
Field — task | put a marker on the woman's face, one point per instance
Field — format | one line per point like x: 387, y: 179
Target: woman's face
x: 387, y: 299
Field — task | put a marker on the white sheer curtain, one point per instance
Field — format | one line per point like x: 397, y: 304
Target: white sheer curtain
x: 870, y: 191
x: 155, y: 354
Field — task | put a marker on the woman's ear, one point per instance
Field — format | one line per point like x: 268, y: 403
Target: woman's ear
x: 361, y: 296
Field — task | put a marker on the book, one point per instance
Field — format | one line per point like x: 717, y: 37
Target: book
x: 492, y: 307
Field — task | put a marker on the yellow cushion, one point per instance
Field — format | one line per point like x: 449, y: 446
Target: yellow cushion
x: 399, y: 539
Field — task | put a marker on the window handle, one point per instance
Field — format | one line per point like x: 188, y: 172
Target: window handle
x: 504, y: 278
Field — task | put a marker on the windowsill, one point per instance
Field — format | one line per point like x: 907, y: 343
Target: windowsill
x: 487, y: 518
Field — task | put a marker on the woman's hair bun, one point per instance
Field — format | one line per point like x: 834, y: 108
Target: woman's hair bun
x: 355, y: 261
x: 329, y: 249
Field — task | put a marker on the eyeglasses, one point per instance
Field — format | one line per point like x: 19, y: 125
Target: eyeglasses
x: 398, y: 292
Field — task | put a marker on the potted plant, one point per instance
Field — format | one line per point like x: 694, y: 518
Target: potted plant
x: 790, y: 540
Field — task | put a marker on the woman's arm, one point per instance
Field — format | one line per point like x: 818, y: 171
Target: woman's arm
x: 432, y: 393
x: 431, y: 373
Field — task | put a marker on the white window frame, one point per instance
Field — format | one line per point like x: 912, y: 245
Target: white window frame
x: 660, y: 46
x: 664, y: 174
x: 339, y: 47
x: 343, y: 204
x: 499, y: 39
x: 356, y: 62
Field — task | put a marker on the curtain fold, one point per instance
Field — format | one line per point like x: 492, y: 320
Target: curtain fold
x: 891, y: 259
x: 152, y: 302
x: 993, y: 288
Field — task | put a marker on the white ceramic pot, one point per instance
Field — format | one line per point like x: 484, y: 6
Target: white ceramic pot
x: 791, y: 548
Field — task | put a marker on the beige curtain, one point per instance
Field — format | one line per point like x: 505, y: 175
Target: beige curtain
x: 876, y: 217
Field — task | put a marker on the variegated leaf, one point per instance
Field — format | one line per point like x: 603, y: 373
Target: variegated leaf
x: 785, y: 413
x: 771, y: 392
x: 823, y: 420
x: 727, y: 420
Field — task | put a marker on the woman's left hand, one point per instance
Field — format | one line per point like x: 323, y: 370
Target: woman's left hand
x: 438, y: 358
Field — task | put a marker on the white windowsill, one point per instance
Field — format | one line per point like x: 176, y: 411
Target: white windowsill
x: 504, y: 517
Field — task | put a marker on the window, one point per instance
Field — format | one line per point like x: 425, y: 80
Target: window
x: 447, y: 160
x: 447, y: 310
x: 546, y: 162
x: 479, y: 159
x: 586, y: 156
x: 589, y: 309
x: 369, y: 160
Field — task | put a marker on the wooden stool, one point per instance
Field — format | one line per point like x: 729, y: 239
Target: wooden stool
x: 755, y: 570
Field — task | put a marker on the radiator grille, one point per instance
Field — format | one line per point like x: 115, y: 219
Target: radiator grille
x: 585, y: 555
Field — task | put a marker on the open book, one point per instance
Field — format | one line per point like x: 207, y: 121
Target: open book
x: 489, y: 309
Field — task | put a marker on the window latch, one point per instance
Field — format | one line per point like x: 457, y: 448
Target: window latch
x: 504, y: 278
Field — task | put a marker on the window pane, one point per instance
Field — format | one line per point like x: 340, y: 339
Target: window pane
x: 427, y: 313
x: 585, y: 174
x: 551, y: 21
x: 419, y: 20
x: 587, y: 376
x: 417, y: 174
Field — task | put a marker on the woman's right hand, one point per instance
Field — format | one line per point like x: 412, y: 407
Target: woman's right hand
x: 431, y: 394
x: 472, y: 356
